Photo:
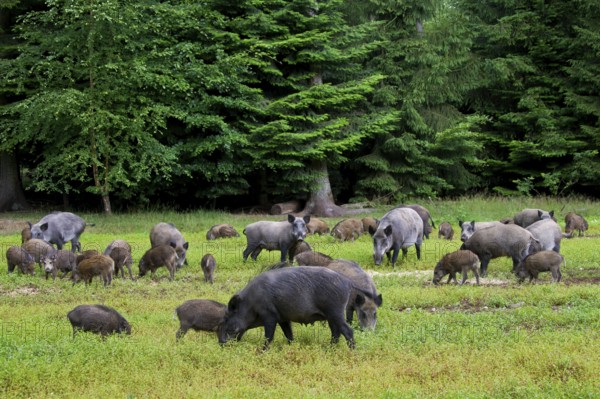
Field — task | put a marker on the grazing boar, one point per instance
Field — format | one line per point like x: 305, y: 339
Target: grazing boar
x: 369, y: 224
x: 63, y: 260
x: 199, y: 315
x: 574, y: 222
x: 543, y: 261
x: 468, y: 228
x: 501, y: 240
x: 88, y: 253
x: 548, y: 233
x: 302, y: 294
x: 424, y: 215
x: 317, y: 226
x: 446, y: 231
x: 167, y: 234
x: 37, y: 248
x: 530, y: 216
x: 163, y: 255
x: 310, y: 258
x: 208, y: 264
x: 98, y: 265
x: 26, y: 233
x: 347, y: 230
x: 18, y: 257
x: 454, y: 262
x: 98, y: 319
x: 58, y: 228
x: 397, y: 230
x: 120, y: 252
x: 221, y: 231
x: 271, y: 236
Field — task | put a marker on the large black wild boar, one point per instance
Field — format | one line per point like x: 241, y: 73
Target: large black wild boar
x: 98, y: 319
x: 167, y: 234
x: 424, y: 215
x: 468, y: 228
x: 199, y: 315
x: 397, y: 230
x: 530, y: 216
x: 120, y: 252
x: 271, y: 236
x: 574, y: 222
x: 63, y: 260
x: 58, y: 228
x: 302, y: 294
x: 17, y: 256
x: 164, y: 255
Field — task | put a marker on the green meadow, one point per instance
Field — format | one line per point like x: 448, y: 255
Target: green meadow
x: 500, y: 339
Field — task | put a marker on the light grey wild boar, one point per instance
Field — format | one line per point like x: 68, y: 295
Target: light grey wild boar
x: 446, y: 231
x: 18, y: 257
x: 63, y: 260
x: 199, y: 315
x: 120, y: 252
x: 208, y: 264
x: 548, y: 233
x: 424, y: 215
x: 574, y: 222
x: 98, y: 319
x: 347, y: 230
x: 501, y: 240
x: 543, y: 261
x: 167, y: 234
x: 317, y: 226
x: 529, y: 216
x: 397, y: 230
x: 461, y: 261
x: 311, y: 258
x: 26, y: 233
x: 37, y: 248
x: 271, y: 236
x: 163, y: 255
x: 98, y: 265
x: 468, y: 228
x: 58, y: 228
x: 369, y: 224
x: 221, y: 231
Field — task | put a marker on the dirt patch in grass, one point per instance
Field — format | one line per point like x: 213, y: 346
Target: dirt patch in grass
x: 27, y: 290
x: 465, y: 306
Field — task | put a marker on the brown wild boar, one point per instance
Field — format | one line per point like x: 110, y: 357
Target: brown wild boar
x: 461, y: 261
x: 18, y: 257
x: 208, y: 264
x: 88, y: 253
x: 163, y: 255
x: 574, y: 222
x: 446, y: 231
x: 62, y: 260
x: 37, y: 248
x: 543, y: 261
x: 310, y: 258
x: 317, y: 226
x: 120, y: 252
x: 199, y: 315
x: 347, y: 230
x: 221, y: 231
x: 167, y: 234
x: 98, y: 265
x: 368, y: 224
x: 26, y: 233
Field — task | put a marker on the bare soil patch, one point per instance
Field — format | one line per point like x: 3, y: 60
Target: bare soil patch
x: 30, y: 289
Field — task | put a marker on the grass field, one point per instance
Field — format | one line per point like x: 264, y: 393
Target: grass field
x: 499, y: 339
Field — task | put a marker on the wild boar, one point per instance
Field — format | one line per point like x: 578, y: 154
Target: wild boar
x: 167, y: 234
x: 548, y: 233
x: 63, y: 260
x: 98, y: 319
x: 454, y: 262
x: 297, y: 248
x: 501, y: 240
x: 37, y: 248
x: 18, y: 257
x: 446, y: 231
x: 26, y: 233
x: 397, y: 230
x: 310, y: 258
x: 468, y: 228
x: 120, y: 252
x: 163, y: 255
x: 530, y: 216
x: 88, y: 253
x: 317, y: 226
x: 574, y: 222
x: 58, y: 228
x: 98, y: 265
x: 302, y: 294
x: 221, y: 231
x: 369, y: 224
x: 543, y: 261
x: 347, y: 230
x: 424, y: 215
x: 199, y: 315
x: 208, y: 264
x: 275, y: 236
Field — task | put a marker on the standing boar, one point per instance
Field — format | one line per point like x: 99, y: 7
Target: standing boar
x: 446, y: 231
x: 398, y: 229
x: 424, y: 215
x: 167, y: 234
x: 454, y: 262
x: 548, y: 233
x: 369, y: 224
x: 199, y: 315
x: 530, y: 216
x: 37, y: 248
x: 574, y: 222
x: 163, y: 255
x: 275, y: 236
x: 310, y: 258
x: 501, y: 240
x: 468, y: 228
x: 58, y: 228
x: 221, y: 231
x: 63, y: 260
x: 297, y: 294
x: 98, y: 319
x: 98, y: 265
x: 347, y: 230
x: 120, y: 252
x: 208, y: 264
x: 88, y: 253
x: 543, y: 261
x: 16, y: 256
x: 26, y: 233
x: 317, y: 226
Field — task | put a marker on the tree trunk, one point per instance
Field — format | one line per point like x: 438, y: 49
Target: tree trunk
x: 321, y: 201
x: 12, y: 197
x: 284, y: 208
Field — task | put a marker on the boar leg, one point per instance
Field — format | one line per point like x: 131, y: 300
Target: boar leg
x: 286, y: 326
x: 269, y: 332
x: 181, y: 332
x: 340, y: 327
x: 349, y: 313
x: 449, y: 278
x: 485, y: 260
x: 418, y: 247
x: 453, y: 274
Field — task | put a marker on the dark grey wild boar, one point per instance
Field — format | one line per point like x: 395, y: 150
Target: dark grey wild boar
x: 397, y: 230
x: 98, y: 319
x: 574, y: 222
x: 63, y: 260
x: 120, y: 252
x: 468, y: 228
x: 221, y: 231
x: 543, y: 261
x: 208, y: 264
x: 317, y: 226
x: 18, y: 257
x: 88, y: 253
x: 98, y: 265
x: 302, y: 294
x: 461, y: 261
x: 311, y: 258
x: 271, y: 236
x: 164, y: 255
x: 167, y: 234
x: 369, y: 224
x: 501, y: 240
x: 446, y: 231
x: 548, y: 233
x: 424, y: 215
x: 37, y: 248
x: 26, y: 233
x: 199, y: 315
x: 529, y: 216
x: 347, y: 230
x: 58, y: 228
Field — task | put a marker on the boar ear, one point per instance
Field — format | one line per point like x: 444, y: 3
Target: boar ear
x: 186, y: 245
x: 540, y: 213
x: 360, y: 300
x: 29, y: 224
x: 291, y: 218
x: 388, y: 230
x: 44, y: 227
x: 379, y: 300
x: 306, y: 219
x: 173, y: 244
x: 371, y: 230
x: 551, y: 213
x: 460, y: 223
x: 473, y: 224
x: 234, y: 303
